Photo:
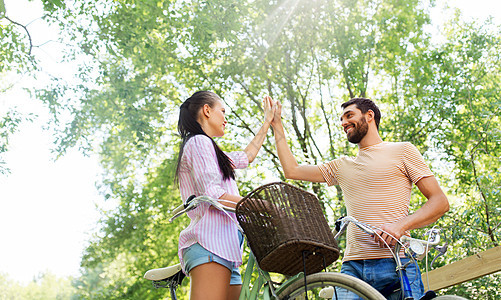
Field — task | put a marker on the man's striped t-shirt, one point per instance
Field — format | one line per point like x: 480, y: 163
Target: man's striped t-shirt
x: 377, y: 187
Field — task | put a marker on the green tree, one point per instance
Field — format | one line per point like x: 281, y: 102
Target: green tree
x: 470, y: 137
x: 141, y: 59
x: 8, y: 125
x: 16, y: 57
x: 46, y: 286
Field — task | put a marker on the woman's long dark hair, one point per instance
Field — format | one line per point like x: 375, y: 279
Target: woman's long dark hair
x: 188, y: 127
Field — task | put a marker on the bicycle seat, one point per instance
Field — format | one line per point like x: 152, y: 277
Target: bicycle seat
x: 162, y: 273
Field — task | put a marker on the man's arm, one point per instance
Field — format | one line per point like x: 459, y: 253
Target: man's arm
x: 436, y: 206
x: 292, y: 170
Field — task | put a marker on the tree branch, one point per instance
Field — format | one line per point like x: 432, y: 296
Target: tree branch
x: 490, y: 232
x: 25, y: 28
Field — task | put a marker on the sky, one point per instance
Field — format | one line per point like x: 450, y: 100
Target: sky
x: 48, y: 208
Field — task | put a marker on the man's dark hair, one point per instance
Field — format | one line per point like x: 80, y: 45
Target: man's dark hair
x: 365, y: 104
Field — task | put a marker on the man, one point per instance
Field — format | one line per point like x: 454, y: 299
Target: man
x: 377, y: 187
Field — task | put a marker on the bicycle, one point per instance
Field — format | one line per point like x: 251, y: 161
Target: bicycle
x: 286, y: 216
x: 414, y: 248
x: 278, y: 208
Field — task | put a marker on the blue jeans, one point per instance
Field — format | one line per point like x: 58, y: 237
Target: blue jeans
x: 381, y: 273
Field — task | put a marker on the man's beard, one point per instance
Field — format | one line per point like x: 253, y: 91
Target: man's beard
x: 358, y: 132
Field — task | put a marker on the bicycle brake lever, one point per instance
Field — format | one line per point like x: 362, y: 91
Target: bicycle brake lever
x: 189, y: 205
x: 435, y: 258
x: 189, y: 200
x: 442, y: 249
x: 340, y: 227
x: 337, y: 225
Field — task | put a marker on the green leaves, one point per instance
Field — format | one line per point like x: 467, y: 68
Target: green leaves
x: 44, y: 286
x: 2, y: 8
x: 143, y: 58
x: 9, y: 125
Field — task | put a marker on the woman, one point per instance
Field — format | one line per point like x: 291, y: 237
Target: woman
x: 210, y: 248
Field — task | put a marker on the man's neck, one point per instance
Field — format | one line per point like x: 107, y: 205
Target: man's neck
x: 370, y: 139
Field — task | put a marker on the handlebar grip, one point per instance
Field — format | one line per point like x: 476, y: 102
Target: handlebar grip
x: 177, y: 210
x: 183, y: 206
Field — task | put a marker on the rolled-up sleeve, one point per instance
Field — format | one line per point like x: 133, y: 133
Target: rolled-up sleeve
x: 205, y: 171
x: 239, y: 159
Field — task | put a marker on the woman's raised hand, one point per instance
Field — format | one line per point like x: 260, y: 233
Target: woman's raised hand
x: 269, y: 113
x: 269, y: 109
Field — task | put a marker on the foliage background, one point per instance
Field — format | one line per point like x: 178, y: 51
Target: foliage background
x: 438, y: 90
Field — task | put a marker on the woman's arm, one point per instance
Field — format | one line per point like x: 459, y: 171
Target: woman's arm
x: 253, y: 148
x: 229, y: 200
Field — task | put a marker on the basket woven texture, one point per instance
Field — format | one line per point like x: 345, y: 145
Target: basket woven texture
x: 280, y: 222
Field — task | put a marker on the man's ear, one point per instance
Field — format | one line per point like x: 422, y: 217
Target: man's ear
x: 369, y: 116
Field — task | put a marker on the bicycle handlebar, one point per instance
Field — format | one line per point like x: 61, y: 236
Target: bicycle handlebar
x: 192, y: 202
x: 416, y: 245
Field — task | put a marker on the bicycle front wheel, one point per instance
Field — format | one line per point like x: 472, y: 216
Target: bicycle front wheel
x: 327, y: 285
x: 449, y: 297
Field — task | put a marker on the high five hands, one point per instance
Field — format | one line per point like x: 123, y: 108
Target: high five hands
x: 272, y: 111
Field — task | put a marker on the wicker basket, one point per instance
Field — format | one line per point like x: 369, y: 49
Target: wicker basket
x: 281, y: 222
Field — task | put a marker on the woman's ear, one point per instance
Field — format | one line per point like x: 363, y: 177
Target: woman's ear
x: 206, y: 110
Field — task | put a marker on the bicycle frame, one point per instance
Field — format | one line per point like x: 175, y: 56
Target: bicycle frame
x: 405, y: 285
x: 263, y: 277
x: 263, y: 282
x: 416, y: 247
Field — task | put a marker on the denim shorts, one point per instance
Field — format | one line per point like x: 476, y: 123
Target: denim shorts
x: 381, y: 273
x: 196, y: 255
